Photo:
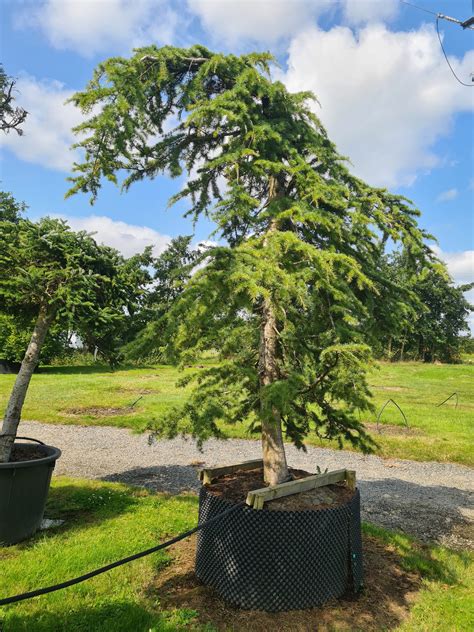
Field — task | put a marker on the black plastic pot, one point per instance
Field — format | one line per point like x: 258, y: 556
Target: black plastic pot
x: 24, y: 488
x: 279, y: 560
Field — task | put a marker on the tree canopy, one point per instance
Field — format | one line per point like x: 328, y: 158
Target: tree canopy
x: 10, y: 209
x: 172, y: 270
x: 434, y: 331
x: 287, y: 299
x: 52, y: 275
x: 46, y: 265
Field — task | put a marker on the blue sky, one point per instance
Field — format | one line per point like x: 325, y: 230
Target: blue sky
x: 387, y: 98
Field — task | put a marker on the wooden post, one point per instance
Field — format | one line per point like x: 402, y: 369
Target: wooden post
x: 207, y: 475
x: 351, y: 479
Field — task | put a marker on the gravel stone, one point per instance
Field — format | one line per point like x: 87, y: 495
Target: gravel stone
x: 429, y: 500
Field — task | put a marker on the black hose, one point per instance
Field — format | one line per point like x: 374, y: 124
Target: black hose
x: 108, y: 567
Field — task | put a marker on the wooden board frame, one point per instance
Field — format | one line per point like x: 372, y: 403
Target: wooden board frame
x: 207, y: 475
x: 258, y: 497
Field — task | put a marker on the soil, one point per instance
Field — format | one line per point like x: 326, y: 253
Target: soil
x: 21, y: 453
x: 97, y: 411
x: 395, y: 389
x: 236, y: 485
x: 392, y: 430
x: 389, y: 593
x: 138, y: 391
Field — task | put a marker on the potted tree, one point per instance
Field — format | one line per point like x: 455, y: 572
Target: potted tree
x: 287, y: 296
x: 51, y: 274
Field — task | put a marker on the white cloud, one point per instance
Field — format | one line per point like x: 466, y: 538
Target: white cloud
x: 127, y: 238
x: 386, y: 96
x: 364, y: 11
x: 47, y: 136
x: 460, y: 264
x: 448, y: 195
x: 263, y: 21
x: 268, y: 21
x: 93, y: 26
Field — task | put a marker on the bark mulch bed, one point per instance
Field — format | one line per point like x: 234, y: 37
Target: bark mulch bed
x: 235, y: 487
x: 384, y: 603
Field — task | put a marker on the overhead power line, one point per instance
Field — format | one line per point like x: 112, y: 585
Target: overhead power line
x: 416, y: 7
x: 467, y: 24
x: 469, y: 85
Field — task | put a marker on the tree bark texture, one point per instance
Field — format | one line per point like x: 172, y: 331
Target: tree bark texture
x: 20, y: 388
x: 275, y: 468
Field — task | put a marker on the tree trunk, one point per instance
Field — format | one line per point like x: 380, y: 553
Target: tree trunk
x: 275, y: 468
x: 18, y: 394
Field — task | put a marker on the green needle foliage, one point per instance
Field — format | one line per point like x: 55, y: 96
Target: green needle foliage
x: 288, y: 301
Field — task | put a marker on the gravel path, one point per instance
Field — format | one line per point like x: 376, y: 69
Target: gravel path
x: 432, y: 501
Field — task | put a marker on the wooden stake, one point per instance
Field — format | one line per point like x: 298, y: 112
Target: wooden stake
x: 207, y: 475
x: 258, y: 497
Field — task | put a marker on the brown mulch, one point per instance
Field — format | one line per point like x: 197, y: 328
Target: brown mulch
x: 384, y: 603
x: 21, y: 453
x: 236, y: 485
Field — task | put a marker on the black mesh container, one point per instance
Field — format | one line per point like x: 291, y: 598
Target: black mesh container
x: 279, y: 560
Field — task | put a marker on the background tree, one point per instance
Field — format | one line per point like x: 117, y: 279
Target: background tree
x: 434, y: 330
x: 172, y: 271
x: 15, y: 334
x: 10, y: 209
x: 53, y: 275
x: 11, y: 116
x: 288, y: 300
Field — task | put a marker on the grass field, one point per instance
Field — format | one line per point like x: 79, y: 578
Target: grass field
x: 95, y: 395
x: 106, y: 521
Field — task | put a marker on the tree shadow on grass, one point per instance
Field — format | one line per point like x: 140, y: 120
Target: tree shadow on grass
x: 116, y: 616
x: 170, y: 479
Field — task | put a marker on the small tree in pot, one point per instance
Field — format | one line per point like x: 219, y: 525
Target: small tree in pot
x: 52, y: 274
x: 287, y: 301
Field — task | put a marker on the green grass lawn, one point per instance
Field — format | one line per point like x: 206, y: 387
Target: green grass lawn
x: 106, y: 521
x: 95, y: 395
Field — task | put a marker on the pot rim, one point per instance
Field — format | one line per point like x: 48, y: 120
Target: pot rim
x: 50, y: 458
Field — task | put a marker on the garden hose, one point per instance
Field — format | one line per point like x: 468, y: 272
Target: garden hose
x: 108, y: 567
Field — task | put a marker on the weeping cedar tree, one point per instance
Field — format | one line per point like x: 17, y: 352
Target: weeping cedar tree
x: 287, y: 302
x: 53, y: 275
